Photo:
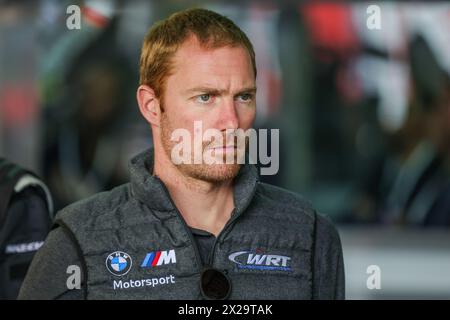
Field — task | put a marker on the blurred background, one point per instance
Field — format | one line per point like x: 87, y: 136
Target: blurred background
x: 363, y: 113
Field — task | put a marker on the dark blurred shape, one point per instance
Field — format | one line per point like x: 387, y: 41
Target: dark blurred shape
x: 429, y: 201
x: 26, y: 212
x: 84, y: 128
x: 411, y: 183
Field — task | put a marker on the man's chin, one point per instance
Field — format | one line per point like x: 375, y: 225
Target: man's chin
x: 213, y: 173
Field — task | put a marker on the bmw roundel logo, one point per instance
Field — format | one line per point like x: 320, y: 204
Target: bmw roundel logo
x: 118, y: 263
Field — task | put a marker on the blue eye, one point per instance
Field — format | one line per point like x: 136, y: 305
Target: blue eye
x: 245, y: 97
x: 204, y: 98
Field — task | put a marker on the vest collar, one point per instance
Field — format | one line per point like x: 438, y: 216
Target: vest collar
x: 152, y: 191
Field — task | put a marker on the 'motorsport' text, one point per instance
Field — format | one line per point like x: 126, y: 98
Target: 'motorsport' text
x: 152, y: 282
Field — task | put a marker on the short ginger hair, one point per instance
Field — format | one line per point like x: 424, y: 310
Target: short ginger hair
x: 211, y: 29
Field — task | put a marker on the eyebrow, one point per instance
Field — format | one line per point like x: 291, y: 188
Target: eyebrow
x: 218, y: 91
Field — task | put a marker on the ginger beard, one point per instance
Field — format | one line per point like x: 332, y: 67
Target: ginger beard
x: 214, y: 173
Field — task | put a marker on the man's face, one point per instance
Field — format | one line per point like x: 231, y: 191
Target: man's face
x: 214, y: 86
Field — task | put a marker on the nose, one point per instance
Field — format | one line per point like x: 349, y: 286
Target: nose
x: 228, y: 117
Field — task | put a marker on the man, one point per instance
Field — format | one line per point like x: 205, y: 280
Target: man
x: 26, y: 213
x: 189, y: 230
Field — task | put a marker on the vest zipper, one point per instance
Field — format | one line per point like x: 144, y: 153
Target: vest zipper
x: 191, y: 237
x: 225, y: 228
x: 220, y: 235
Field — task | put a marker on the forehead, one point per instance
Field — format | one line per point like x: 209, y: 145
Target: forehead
x: 226, y: 65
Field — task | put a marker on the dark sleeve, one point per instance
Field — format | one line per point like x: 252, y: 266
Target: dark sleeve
x: 329, y: 277
x: 47, y: 276
x: 28, y: 222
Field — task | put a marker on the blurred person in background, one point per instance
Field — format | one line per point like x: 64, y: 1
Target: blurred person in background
x: 420, y: 194
x: 26, y: 214
x: 410, y: 185
x: 84, y: 125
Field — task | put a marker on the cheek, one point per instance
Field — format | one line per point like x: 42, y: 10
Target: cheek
x: 176, y: 112
x: 246, y: 118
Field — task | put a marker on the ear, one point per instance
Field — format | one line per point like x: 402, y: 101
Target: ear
x: 149, y: 104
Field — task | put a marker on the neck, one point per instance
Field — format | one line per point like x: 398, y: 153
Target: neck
x: 203, y: 205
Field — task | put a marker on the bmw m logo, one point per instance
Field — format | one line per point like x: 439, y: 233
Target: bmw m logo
x: 118, y: 263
